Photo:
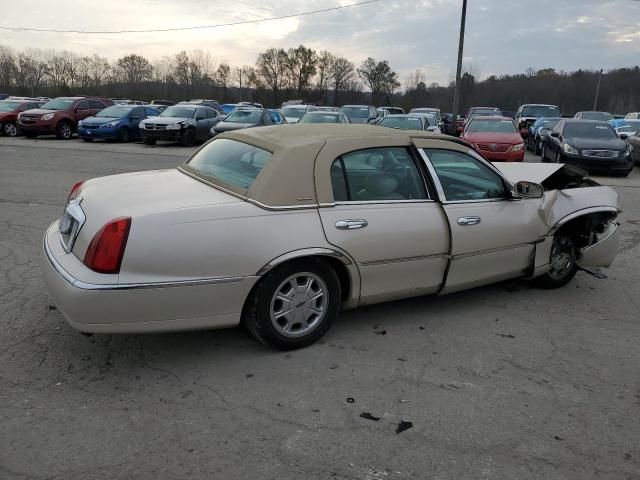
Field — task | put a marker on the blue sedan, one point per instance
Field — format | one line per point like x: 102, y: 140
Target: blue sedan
x: 118, y: 122
x: 534, y: 138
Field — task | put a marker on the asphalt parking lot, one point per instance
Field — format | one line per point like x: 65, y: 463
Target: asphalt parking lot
x: 501, y: 382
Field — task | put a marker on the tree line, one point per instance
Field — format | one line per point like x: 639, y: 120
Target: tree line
x: 303, y: 73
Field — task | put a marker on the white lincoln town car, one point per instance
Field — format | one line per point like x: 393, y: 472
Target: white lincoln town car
x: 280, y: 228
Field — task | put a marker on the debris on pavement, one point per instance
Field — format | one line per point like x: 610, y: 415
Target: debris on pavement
x: 368, y: 416
x: 403, y: 425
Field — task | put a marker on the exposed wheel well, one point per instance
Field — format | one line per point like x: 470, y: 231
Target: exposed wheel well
x: 584, y: 228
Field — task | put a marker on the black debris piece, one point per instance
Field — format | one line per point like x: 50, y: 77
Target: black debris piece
x: 421, y: 327
x: 380, y: 332
x: 351, y: 400
x: 368, y: 416
x: 402, y: 426
x: 333, y: 367
x: 402, y: 359
x: 249, y: 375
x: 52, y: 307
x: 558, y: 438
x: 505, y: 335
x: 315, y: 410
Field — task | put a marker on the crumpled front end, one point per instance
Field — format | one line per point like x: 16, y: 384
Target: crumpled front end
x: 603, y: 247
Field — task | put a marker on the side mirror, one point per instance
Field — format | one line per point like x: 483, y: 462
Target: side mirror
x: 623, y: 136
x: 526, y: 189
x: 555, y: 134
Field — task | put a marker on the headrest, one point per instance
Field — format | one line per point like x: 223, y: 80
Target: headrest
x: 381, y: 185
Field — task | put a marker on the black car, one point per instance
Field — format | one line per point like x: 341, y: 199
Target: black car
x: 243, y: 118
x: 589, y: 144
x: 186, y: 124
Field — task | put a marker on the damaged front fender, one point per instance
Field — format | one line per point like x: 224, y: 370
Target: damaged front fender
x: 603, y: 251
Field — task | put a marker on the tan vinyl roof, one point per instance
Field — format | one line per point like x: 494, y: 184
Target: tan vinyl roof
x: 287, y: 180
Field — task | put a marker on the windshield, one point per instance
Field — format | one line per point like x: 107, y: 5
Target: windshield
x: 492, y: 126
x: 604, y: 116
x: 58, y: 104
x: 320, y: 118
x: 540, y: 111
x: 117, y: 111
x: 294, y: 112
x: 485, y: 111
x: 356, y: 112
x: 9, y: 106
x: 589, y: 130
x: 231, y: 162
x: 244, y: 116
x: 404, y: 123
x: 181, y: 112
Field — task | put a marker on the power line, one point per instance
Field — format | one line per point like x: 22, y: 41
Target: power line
x: 197, y: 27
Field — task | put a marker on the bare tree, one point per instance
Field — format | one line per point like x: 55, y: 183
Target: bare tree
x: 134, y: 69
x: 302, y: 67
x: 341, y: 74
x: 379, y: 77
x: 271, y: 66
x: 223, y: 75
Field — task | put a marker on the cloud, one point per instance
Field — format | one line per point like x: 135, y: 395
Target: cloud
x: 502, y: 37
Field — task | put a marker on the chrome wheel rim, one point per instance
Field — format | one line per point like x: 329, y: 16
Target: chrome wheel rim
x: 562, y: 257
x: 299, y: 304
x: 65, y: 130
x: 10, y: 129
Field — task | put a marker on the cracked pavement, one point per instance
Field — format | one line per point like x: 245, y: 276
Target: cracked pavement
x: 502, y: 382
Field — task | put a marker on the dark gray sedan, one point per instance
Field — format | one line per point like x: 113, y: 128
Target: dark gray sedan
x: 243, y: 118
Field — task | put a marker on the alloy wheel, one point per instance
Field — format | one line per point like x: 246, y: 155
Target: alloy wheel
x: 563, y: 257
x: 10, y: 129
x: 299, y: 304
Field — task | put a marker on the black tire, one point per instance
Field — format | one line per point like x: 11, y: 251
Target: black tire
x: 149, y: 141
x: 123, y: 135
x: 88, y: 140
x: 64, y: 131
x: 557, y: 158
x: 257, y: 311
x: 10, y: 129
x: 30, y: 135
x: 188, y: 138
x: 560, y: 273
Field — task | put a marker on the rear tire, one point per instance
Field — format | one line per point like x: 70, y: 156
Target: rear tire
x: 10, y: 129
x: 293, y: 305
x: 537, y: 146
x: 188, y: 138
x: 64, y: 131
x: 562, y: 261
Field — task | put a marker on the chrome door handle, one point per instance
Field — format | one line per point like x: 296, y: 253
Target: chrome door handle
x: 351, y: 224
x: 465, y: 221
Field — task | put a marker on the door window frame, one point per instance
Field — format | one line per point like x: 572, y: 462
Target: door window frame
x: 438, y: 185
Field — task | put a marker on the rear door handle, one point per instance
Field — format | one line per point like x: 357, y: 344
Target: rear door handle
x: 466, y: 221
x: 351, y: 224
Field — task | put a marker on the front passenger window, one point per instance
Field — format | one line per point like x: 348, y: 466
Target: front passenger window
x: 464, y: 178
x: 377, y: 174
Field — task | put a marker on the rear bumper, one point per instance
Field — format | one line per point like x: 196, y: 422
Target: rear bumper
x: 118, y: 308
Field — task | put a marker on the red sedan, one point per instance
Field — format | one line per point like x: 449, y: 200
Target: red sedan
x: 9, y: 110
x: 495, y: 138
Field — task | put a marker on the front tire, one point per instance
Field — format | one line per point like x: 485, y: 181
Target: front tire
x: 188, y: 138
x: 293, y: 305
x: 123, y: 135
x: 64, y: 131
x: 562, y: 261
x: 10, y: 129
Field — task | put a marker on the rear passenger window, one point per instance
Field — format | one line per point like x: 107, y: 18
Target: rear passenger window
x: 96, y: 105
x: 211, y: 113
x: 377, y: 174
x: 82, y: 105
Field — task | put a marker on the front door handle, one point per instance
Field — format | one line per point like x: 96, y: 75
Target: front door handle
x: 466, y: 221
x: 351, y: 224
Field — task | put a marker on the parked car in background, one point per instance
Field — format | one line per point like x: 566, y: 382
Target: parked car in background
x: 120, y: 101
x: 281, y: 228
x: 483, y: 111
x: 250, y: 104
x: 632, y: 116
x: 634, y: 141
x: 243, y: 118
x: 293, y: 113
x: 160, y: 108
x: 591, y: 115
x: 393, y: 110
x: 3, y: 96
x: 381, y: 113
x: 527, y: 114
x: 118, y: 122
x: 432, y: 124
x: 10, y: 108
x: 360, y: 113
x: 509, y: 113
x: 629, y: 128
x: 204, y: 103
x: 276, y: 116
x: 589, y: 144
x: 404, y: 122
x: 327, y: 109
x: 186, y: 124
x: 227, y: 108
x: 495, y: 138
x: 60, y: 116
x: 433, y: 111
x: 537, y: 130
x: 324, y: 117
x: 166, y: 103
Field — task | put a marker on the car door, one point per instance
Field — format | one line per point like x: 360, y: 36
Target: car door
x: 382, y: 214
x: 135, y: 117
x: 493, y: 235
x: 553, y: 141
x: 81, y: 110
x: 202, y: 124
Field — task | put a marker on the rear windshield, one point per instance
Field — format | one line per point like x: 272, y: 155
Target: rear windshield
x: 9, y: 106
x: 58, y: 104
x: 540, y: 111
x: 181, y: 112
x: 319, y: 118
x: 499, y: 126
x: 294, y: 112
x: 403, y: 123
x: 486, y: 111
x: 356, y: 112
x: 231, y: 162
x: 604, y: 116
x: 589, y: 130
x: 244, y: 116
x: 116, y: 111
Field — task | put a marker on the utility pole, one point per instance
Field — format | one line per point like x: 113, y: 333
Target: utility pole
x: 595, y: 100
x: 456, y: 91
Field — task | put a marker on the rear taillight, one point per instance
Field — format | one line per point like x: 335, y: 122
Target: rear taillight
x: 74, y: 191
x: 105, y: 251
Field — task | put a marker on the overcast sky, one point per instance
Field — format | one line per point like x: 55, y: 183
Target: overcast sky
x: 503, y: 36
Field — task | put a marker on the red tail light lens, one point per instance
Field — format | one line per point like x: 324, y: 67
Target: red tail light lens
x: 105, y: 251
x: 74, y: 191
